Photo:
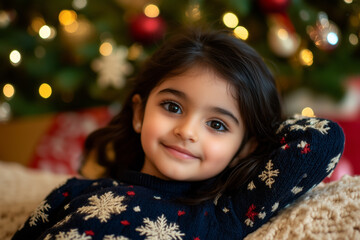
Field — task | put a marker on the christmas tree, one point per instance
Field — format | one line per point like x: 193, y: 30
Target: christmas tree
x: 73, y: 54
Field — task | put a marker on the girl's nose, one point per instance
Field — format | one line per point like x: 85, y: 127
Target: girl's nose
x: 187, y: 131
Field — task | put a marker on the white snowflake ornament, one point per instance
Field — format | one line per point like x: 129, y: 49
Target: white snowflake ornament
x: 113, y: 68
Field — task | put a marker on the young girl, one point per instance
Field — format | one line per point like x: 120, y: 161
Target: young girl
x: 199, y: 151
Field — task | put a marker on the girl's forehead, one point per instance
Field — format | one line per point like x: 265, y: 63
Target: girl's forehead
x: 201, y: 81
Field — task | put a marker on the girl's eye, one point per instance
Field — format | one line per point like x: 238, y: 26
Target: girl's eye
x: 217, y: 125
x: 172, y: 107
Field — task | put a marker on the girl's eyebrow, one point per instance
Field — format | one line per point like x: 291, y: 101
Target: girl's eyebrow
x: 173, y: 91
x: 213, y: 109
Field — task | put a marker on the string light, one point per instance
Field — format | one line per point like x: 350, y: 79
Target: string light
x: 151, y: 11
x: 37, y: 23
x: 332, y: 38
x: 45, y: 32
x: 193, y: 12
x: 71, y: 28
x: 45, y: 90
x: 353, y: 39
x: 39, y: 52
x: 241, y: 32
x: 8, y: 90
x: 306, y: 57
x: 106, y: 49
x: 79, y: 4
x: 307, y: 112
x: 230, y: 20
x: 15, y: 57
x: 67, y: 17
x: 4, y: 19
x: 348, y: 1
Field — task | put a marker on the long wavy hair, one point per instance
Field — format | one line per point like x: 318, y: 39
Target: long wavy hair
x: 230, y: 58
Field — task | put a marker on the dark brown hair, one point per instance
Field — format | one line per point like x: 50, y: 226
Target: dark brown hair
x: 234, y: 61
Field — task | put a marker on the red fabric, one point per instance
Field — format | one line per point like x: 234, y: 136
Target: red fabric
x: 61, y: 147
x: 349, y: 163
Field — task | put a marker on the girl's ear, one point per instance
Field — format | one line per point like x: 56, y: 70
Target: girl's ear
x: 249, y: 147
x: 137, y: 112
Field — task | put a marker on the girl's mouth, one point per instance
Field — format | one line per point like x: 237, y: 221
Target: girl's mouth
x: 179, y: 152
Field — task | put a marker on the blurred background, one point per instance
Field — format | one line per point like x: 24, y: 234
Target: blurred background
x: 65, y: 65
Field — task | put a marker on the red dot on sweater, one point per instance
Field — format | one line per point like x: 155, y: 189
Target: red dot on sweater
x: 196, y: 238
x: 206, y: 213
x: 65, y: 194
x: 89, y: 233
x: 180, y: 213
x: 131, y: 193
x: 125, y: 222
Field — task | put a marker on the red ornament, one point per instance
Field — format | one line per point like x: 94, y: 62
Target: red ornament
x: 147, y: 30
x: 274, y: 6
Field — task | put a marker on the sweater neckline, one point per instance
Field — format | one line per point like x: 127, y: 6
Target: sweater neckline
x: 149, y: 181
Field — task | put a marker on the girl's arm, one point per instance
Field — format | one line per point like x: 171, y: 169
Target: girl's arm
x: 51, y: 210
x: 310, y: 149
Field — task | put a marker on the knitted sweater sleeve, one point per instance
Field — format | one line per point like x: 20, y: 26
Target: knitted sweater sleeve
x: 310, y: 149
x: 51, y: 210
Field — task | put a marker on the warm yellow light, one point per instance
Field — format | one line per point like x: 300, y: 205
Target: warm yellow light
x: 230, y: 20
x: 353, y: 39
x: 45, y: 90
x: 45, y: 32
x: 67, y: 17
x: 241, y: 32
x: 283, y: 34
x: 106, y: 49
x: 8, y: 90
x: 71, y: 28
x: 135, y: 51
x: 193, y: 12
x: 307, y: 112
x: 348, y: 1
x: 151, y: 10
x: 15, y: 57
x: 37, y: 23
x: 79, y: 4
x: 306, y: 57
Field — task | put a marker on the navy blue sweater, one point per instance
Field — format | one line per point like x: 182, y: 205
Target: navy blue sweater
x: 140, y: 206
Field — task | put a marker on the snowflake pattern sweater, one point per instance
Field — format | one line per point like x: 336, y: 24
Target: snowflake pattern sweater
x: 140, y: 206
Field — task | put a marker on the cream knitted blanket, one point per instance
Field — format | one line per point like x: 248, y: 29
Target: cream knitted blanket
x: 330, y: 211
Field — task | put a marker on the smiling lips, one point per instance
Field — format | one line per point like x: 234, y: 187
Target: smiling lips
x: 179, y: 153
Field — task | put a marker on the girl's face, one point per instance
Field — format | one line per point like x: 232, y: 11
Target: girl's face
x: 191, y: 127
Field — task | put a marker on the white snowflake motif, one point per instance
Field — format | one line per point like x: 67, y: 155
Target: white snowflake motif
x: 262, y: 215
x: 249, y: 223
x: 268, y: 175
x: 160, y: 230
x: 113, y: 68
x: 296, y: 190
x: 225, y: 210
x: 112, y: 237
x: 73, y: 234
x: 331, y: 166
x: 137, y: 209
x: 103, y: 207
x: 275, y: 207
x: 251, y: 186
x: 39, y: 213
x: 62, y: 222
x: 47, y: 237
x: 216, y: 199
x: 313, y: 123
